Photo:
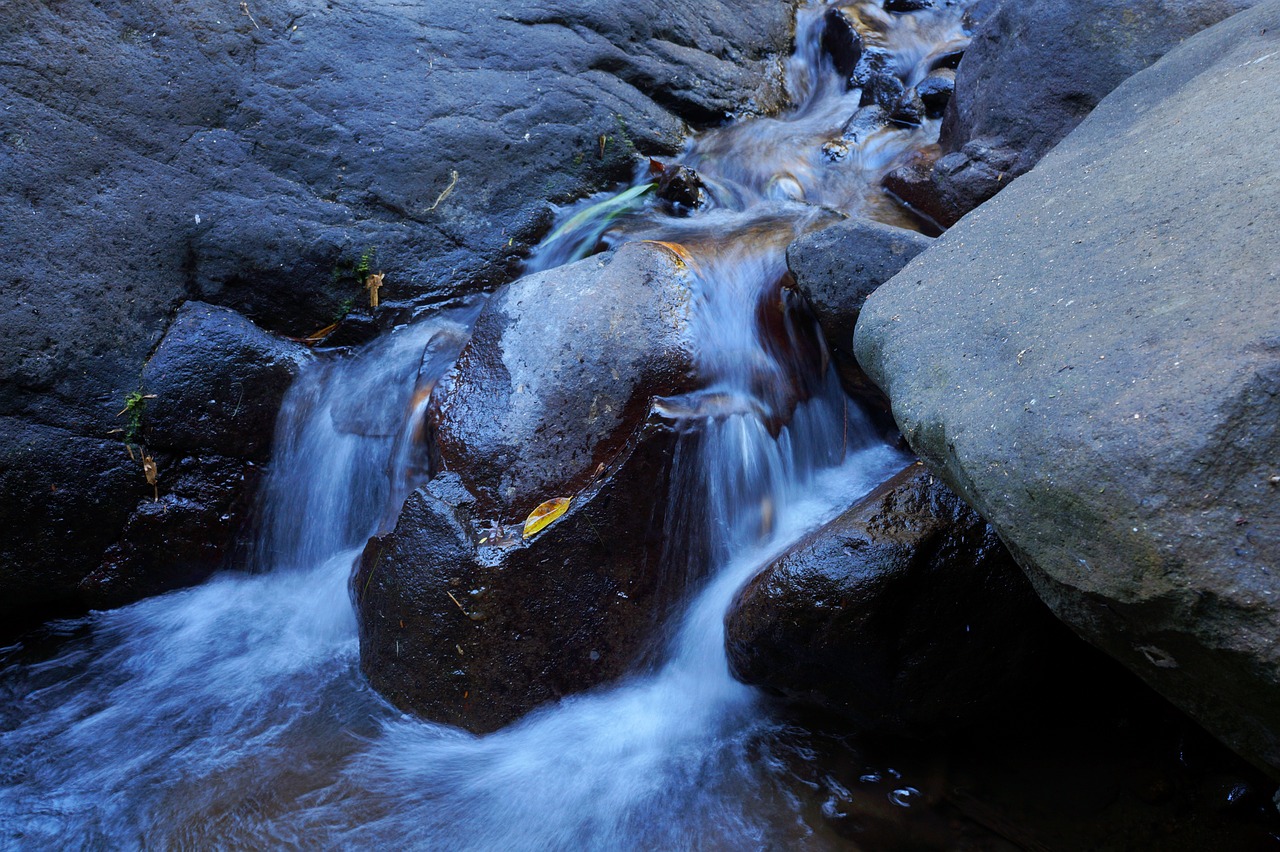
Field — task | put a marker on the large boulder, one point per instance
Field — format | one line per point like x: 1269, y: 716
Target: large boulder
x: 264, y: 157
x: 465, y: 619
x: 1092, y: 360
x: 905, y: 614
x: 1032, y: 72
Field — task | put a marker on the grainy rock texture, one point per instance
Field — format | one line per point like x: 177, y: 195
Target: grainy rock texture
x: 905, y: 614
x: 1092, y: 360
x: 1032, y: 72
x: 249, y: 156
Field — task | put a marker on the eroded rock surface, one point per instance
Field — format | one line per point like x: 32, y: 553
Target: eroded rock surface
x: 1092, y: 360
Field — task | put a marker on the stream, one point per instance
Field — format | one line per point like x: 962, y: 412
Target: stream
x: 234, y: 714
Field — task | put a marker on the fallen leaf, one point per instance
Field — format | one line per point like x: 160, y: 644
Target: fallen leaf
x: 152, y: 473
x: 541, y: 517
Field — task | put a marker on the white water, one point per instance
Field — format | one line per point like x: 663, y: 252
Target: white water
x: 233, y: 715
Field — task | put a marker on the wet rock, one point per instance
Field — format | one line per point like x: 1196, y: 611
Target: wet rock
x: 907, y: 5
x: 864, y: 122
x: 682, y: 186
x: 838, y: 267
x: 148, y: 158
x: 560, y: 368
x: 935, y: 91
x: 218, y: 382
x: 180, y: 538
x: 945, y: 188
x: 909, y: 111
x: 1098, y: 375
x: 463, y: 622
x: 876, y: 75
x: 905, y: 614
x: 841, y: 41
x: 552, y: 397
x: 1033, y: 71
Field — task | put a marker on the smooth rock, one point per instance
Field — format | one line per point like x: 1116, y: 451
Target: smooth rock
x: 1092, y: 360
x: 905, y: 614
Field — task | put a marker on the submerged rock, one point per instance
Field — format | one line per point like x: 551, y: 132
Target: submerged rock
x: 1032, y: 72
x: 1092, y: 360
x: 906, y: 614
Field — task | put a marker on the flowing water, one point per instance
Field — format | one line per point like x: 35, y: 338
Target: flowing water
x: 233, y: 715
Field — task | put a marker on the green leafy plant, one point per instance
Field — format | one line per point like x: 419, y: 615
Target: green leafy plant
x: 135, y: 405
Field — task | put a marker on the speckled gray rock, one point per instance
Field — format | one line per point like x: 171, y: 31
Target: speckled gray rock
x: 1092, y: 360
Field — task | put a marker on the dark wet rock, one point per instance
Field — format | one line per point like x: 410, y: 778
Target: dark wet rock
x: 907, y: 5
x: 836, y: 269
x: 945, y: 188
x: 463, y: 622
x: 682, y: 186
x: 1031, y: 73
x: 560, y: 368
x: 218, y: 382
x: 906, y: 614
x: 552, y: 397
x: 935, y: 91
x: 841, y: 41
x: 864, y: 122
x: 1092, y: 360
x: 150, y: 156
x: 884, y: 90
x: 181, y: 537
x: 876, y: 75
x: 66, y: 498
x: 909, y: 111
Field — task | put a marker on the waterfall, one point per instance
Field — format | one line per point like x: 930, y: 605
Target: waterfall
x: 233, y: 715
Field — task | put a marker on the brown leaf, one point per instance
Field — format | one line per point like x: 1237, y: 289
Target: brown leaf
x: 541, y: 517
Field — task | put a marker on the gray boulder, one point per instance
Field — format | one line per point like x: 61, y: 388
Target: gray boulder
x: 1032, y: 72
x: 254, y: 156
x: 1092, y: 360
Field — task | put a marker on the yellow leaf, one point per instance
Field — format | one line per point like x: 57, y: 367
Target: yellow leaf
x: 542, y: 516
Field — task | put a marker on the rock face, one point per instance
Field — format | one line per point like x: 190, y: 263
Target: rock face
x: 1031, y: 73
x: 905, y: 614
x: 463, y: 620
x: 253, y: 157
x: 1092, y: 360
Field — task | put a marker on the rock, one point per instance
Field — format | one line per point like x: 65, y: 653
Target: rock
x: 836, y: 269
x: 935, y: 91
x: 1092, y: 361
x: 906, y: 615
x: 1032, y: 72
x: 180, y: 538
x: 553, y: 396
x: 907, y: 5
x: 560, y: 368
x: 683, y: 187
x: 942, y: 189
x: 218, y: 382
x: 150, y: 157
x: 841, y: 41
